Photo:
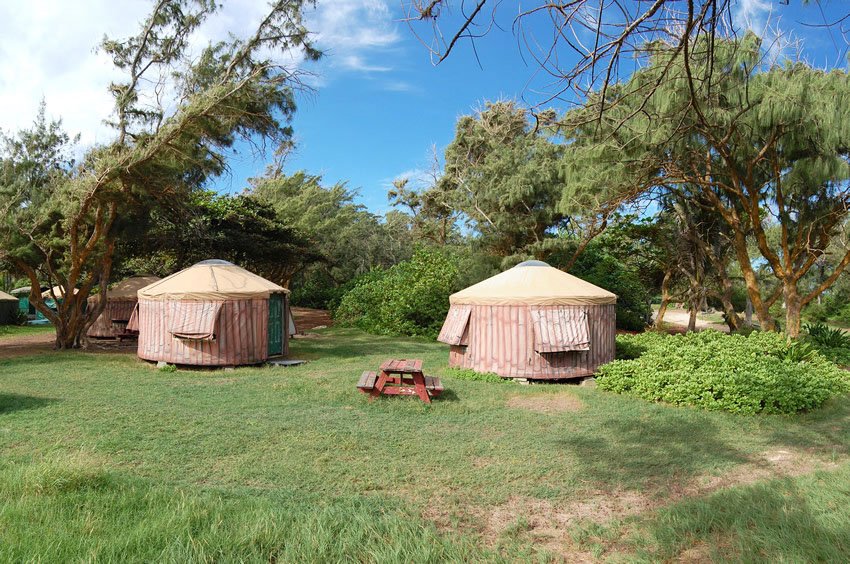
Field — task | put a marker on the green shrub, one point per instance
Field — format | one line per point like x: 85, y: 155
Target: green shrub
x: 816, y: 312
x: 469, y: 374
x: 753, y: 374
x: 632, y: 346
x: 831, y: 342
x: 410, y: 298
x: 824, y: 335
x: 605, y: 271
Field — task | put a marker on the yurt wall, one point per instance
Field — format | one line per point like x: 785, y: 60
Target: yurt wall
x: 120, y: 303
x: 8, y: 308
x: 212, y: 314
x: 504, y: 340
x: 532, y: 321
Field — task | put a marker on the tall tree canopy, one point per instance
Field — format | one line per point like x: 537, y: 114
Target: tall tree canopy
x: 169, y: 139
x: 501, y: 173
x: 582, y: 46
x: 344, y: 238
x: 764, y: 148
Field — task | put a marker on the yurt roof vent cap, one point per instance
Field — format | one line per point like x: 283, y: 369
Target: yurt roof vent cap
x: 532, y: 263
x: 215, y: 262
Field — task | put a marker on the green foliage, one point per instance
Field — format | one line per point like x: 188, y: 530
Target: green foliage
x: 817, y: 313
x: 501, y: 173
x: 346, y: 240
x: 760, y: 373
x: 633, y: 301
x: 831, y: 342
x: 824, y: 335
x: 410, y: 298
x: 630, y: 347
x: 473, y: 376
x: 237, y: 228
x: 168, y: 369
x: 799, y: 351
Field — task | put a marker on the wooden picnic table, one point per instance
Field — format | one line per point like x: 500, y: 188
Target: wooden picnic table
x: 402, y: 377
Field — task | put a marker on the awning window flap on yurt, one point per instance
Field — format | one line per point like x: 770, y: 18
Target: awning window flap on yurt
x: 133, y: 323
x: 559, y: 329
x: 194, y: 320
x: 454, y: 328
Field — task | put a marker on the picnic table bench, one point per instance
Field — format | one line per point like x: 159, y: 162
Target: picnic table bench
x: 400, y: 377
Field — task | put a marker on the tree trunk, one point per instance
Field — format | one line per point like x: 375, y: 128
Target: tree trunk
x: 692, y: 315
x: 748, y: 313
x: 793, y: 309
x: 762, y: 310
x: 733, y: 320
x: 665, y: 300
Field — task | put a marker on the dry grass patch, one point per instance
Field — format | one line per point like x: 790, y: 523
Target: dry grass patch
x: 546, y: 403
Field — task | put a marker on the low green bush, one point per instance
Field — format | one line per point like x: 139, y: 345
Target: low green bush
x: 759, y: 373
x: 831, y: 342
x: 824, y: 335
x: 410, y: 298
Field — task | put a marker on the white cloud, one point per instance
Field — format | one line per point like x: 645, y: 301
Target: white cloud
x: 48, y: 51
x: 349, y: 31
x: 358, y: 63
x: 417, y: 178
x: 758, y: 16
x: 752, y: 14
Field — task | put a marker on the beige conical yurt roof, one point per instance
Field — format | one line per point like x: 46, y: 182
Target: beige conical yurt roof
x: 57, y: 291
x: 4, y: 297
x: 533, y: 283
x: 127, y: 288
x: 211, y: 280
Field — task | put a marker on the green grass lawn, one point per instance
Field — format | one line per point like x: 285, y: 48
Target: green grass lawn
x: 105, y: 458
x: 8, y: 331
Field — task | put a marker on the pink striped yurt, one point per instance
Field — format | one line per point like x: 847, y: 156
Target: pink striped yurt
x: 531, y: 321
x: 120, y: 303
x: 213, y: 313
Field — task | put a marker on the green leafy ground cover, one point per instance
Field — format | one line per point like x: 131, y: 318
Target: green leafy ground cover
x: 758, y: 373
x: 102, y: 457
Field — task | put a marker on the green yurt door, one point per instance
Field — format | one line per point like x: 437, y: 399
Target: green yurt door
x: 275, y: 324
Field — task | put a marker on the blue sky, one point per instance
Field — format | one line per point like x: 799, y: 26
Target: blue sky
x: 368, y: 124
x: 378, y: 105
x: 379, y: 119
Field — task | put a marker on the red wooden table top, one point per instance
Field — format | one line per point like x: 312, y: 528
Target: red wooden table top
x: 402, y: 366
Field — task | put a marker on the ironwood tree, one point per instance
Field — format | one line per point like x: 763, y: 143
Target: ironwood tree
x: 765, y: 148
x: 238, y: 228
x: 176, y: 111
x: 586, y: 46
x: 346, y: 239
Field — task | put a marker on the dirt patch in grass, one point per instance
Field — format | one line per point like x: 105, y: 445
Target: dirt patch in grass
x: 307, y: 318
x: 42, y: 343
x: 547, y: 403
x: 548, y: 524
x: 21, y: 345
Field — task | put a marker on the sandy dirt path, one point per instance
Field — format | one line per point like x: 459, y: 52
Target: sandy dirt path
x: 679, y: 318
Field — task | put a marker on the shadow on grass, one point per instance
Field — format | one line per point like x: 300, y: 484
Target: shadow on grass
x: 650, y: 451
x: 16, y: 402
x: 825, y: 431
x: 780, y: 521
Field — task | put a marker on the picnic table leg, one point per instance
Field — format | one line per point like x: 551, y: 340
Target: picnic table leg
x: 421, y: 390
x: 379, y: 385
